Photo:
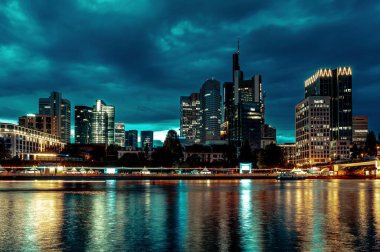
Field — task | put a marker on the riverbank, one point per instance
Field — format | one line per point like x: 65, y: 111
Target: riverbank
x: 165, y: 177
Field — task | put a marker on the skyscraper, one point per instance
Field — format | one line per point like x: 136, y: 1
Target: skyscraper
x: 110, y: 110
x: 83, y: 117
x: 228, y: 101
x: 131, y: 137
x: 103, y: 123
x: 210, y: 113
x: 190, y: 118
x: 120, y: 134
x: 146, y: 139
x: 336, y: 83
x: 60, y: 108
x: 313, y: 130
x: 243, y: 105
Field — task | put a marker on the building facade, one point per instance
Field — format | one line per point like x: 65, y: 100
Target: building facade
x: 190, y: 118
x: 203, y: 153
x: 268, y: 136
x: 210, y: 113
x: 83, y: 117
x: 120, y: 134
x: 313, y: 130
x: 359, y: 130
x: 336, y: 83
x: 103, y: 124
x: 21, y: 141
x: 146, y: 139
x: 43, y: 123
x: 243, y: 107
x: 289, y: 151
x: 340, y: 150
x: 131, y: 140
x: 56, y: 106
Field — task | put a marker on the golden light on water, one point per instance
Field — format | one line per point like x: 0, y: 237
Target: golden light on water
x: 251, y: 214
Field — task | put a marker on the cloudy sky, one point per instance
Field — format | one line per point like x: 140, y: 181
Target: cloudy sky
x: 141, y: 56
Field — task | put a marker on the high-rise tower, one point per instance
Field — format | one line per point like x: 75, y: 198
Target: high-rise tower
x: 243, y: 107
x: 210, y: 113
x: 83, y: 116
x: 60, y: 108
x: 327, y: 92
x: 131, y: 137
x: 103, y: 123
x: 336, y: 83
x: 120, y: 134
x: 313, y: 130
x: 190, y: 118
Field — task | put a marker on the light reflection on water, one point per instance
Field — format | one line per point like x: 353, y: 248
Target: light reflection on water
x: 198, y: 215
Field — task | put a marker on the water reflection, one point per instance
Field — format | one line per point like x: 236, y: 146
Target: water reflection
x: 190, y: 215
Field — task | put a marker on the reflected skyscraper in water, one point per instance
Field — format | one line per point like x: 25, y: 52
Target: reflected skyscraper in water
x: 194, y: 215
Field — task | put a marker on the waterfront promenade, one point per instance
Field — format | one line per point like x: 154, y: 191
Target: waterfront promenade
x: 164, y: 176
x: 337, y: 171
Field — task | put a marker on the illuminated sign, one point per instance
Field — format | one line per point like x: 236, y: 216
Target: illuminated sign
x: 110, y: 171
x: 245, y: 167
x: 319, y: 101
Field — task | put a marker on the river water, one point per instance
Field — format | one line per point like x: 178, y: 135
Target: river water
x: 193, y: 215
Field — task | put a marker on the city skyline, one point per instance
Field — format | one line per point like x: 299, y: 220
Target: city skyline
x: 129, y: 55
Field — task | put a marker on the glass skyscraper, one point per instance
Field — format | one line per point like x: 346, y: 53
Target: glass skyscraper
x: 210, y: 114
x: 328, y: 93
x: 131, y: 137
x: 336, y: 83
x: 190, y: 118
x: 83, y: 116
x: 103, y: 123
x: 60, y: 108
x: 243, y: 107
x: 120, y: 134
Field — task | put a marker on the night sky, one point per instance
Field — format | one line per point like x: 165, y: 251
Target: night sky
x: 141, y: 56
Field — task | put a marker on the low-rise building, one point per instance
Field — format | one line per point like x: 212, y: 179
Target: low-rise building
x: 340, y: 150
x: 204, y: 153
x: 44, y: 123
x: 121, y: 153
x: 21, y: 141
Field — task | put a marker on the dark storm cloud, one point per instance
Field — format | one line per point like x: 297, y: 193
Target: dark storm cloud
x: 142, y: 55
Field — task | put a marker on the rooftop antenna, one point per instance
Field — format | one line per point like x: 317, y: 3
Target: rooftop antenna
x: 238, y: 47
